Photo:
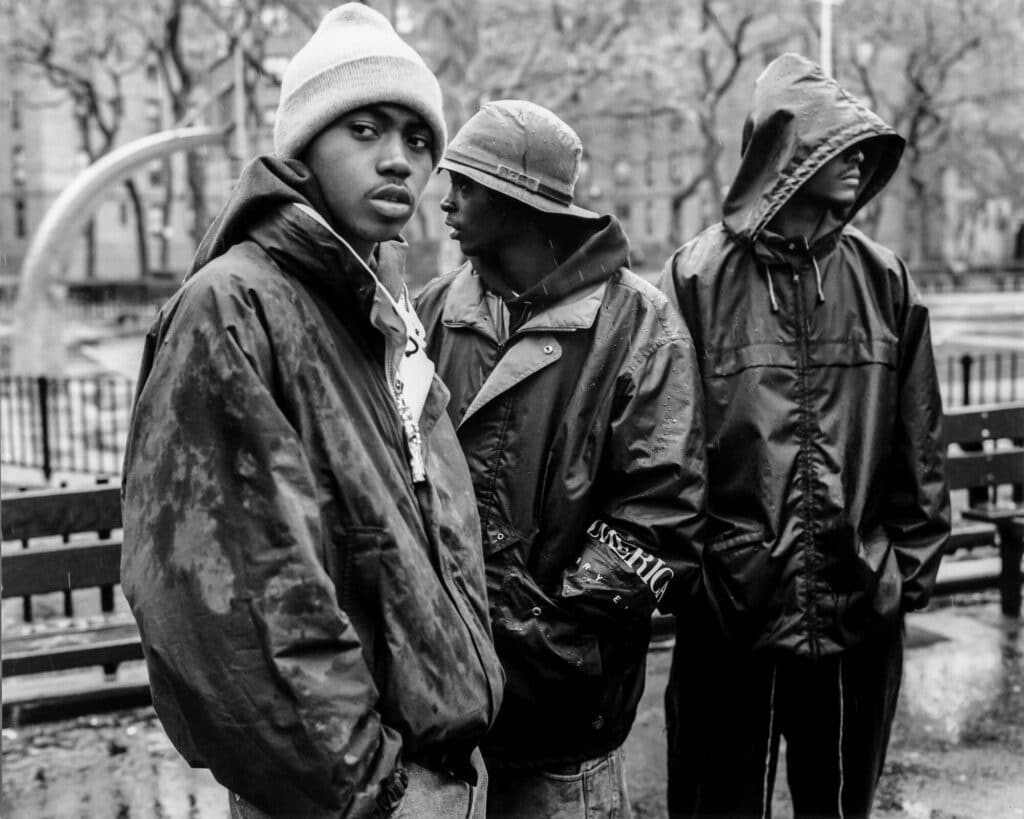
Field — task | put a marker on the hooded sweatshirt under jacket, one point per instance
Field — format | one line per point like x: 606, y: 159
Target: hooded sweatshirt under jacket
x: 583, y: 434
x: 310, y: 615
x: 828, y: 508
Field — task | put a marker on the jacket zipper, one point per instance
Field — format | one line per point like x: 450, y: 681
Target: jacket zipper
x: 805, y: 470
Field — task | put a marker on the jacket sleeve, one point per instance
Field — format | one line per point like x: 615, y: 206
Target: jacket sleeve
x: 917, y: 517
x: 256, y: 671
x: 642, y: 551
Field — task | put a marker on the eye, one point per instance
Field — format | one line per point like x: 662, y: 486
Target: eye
x: 363, y: 129
x: 421, y: 143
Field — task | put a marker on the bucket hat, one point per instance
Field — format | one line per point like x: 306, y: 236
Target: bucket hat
x: 522, y: 150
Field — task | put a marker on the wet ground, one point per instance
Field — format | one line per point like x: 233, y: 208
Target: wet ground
x: 957, y: 750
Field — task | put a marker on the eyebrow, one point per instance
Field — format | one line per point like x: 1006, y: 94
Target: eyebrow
x: 386, y: 111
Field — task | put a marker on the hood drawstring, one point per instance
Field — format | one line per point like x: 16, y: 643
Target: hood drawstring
x: 771, y: 289
x: 817, y: 277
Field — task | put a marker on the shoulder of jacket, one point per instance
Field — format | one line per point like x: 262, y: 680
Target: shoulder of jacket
x: 885, y: 257
x: 436, y: 287
x: 655, y: 323
x: 702, y: 255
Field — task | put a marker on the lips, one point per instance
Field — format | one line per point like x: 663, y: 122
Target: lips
x: 392, y: 202
x: 392, y: 193
x: 455, y: 232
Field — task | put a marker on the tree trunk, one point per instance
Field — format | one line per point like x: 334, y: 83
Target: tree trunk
x: 197, y: 195
x: 90, y: 250
x: 142, y: 245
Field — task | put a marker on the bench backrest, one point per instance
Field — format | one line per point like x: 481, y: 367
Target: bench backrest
x: 989, y: 448
x: 82, y: 564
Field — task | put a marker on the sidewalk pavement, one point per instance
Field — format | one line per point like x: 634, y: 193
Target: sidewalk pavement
x: 957, y: 750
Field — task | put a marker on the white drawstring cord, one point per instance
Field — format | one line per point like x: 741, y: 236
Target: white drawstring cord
x: 771, y: 290
x: 839, y: 806
x: 817, y: 276
x: 765, y: 788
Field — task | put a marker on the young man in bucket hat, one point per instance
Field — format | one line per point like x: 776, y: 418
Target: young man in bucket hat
x: 827, y: 506
x: 572, y: 385
x: 302, y: 549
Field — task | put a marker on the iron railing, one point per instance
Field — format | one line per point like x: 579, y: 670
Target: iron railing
x: 79, y: 425
x: 65, y: 424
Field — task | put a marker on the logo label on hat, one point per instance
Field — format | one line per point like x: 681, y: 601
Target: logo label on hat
x: 517, y: 178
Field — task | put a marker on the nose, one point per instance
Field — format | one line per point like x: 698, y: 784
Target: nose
x: 855, y: 156
x: 394, y: 158
x: 448, y: 203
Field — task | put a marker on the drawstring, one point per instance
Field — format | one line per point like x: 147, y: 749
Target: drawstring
x: 771, y: 289
x: 839, y: 798
x: 817, y: 276
x: 767, y: 784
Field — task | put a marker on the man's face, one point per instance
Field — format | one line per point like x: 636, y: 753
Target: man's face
x: 372, y: 165
x: 481, y: 220
x: 836, y: 184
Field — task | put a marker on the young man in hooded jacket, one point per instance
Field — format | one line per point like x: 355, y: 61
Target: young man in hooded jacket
x: 302, y: 548
x: 827, y: 505
x: 574, y: 391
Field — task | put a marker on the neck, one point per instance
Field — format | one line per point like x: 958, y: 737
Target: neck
x: 803, y: 218
x: 517, y: 266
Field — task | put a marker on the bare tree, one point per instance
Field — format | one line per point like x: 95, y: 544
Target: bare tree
x: 82, y: 51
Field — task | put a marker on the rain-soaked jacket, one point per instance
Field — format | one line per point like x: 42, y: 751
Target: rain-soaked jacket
x: 828, y: 509
x: 583, y: 436
x: 310, y: 616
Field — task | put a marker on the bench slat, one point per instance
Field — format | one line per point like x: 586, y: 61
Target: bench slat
x: 970, y: 535
x: 44, y: 569
x: 47, y: 512
x: 983, y: 422
x: 1004, y: 466
x: 108, y: 652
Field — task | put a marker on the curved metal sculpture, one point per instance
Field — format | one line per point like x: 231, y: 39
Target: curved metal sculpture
x: 38, y: 344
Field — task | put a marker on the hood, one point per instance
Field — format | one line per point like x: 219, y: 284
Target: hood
x: 262, y: 208
x: 265, y: 187
x: 602, y: 250
x: 800, y: 119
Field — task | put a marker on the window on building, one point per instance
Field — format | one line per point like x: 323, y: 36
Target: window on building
x: 17, y: 102
x: 18, y: 175
x: 156, y: 174
x: 153, y: 114
x: 649, y: 169
x: 152, y: 71
x: 676, y: 169
x: 20, y: 218
x: 649, y: 217
x: 622, y: 212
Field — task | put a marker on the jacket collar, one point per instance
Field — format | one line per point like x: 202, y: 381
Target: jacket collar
x: 465, y: 306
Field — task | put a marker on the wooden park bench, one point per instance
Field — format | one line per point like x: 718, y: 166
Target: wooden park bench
x: 985, y: 460
x: 63, y: 541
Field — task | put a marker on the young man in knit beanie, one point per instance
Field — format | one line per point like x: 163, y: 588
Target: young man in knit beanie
x: 302, y: 548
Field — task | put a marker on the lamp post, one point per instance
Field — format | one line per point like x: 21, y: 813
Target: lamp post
x: 826, y: 34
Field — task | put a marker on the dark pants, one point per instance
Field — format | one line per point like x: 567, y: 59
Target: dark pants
x: 725, y: 712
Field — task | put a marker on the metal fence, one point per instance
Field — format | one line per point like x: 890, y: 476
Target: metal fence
x: 65, y: 424
x: 81, y: 424
x: 995, y: 378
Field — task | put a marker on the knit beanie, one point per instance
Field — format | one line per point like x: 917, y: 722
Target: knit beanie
x: 354, y: 58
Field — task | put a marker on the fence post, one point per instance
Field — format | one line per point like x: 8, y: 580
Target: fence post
x: 43, y: 385
x: 966, y: 360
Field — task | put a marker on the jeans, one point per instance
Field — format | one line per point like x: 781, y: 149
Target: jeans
x: 595, y: 789
x: 429, y: 795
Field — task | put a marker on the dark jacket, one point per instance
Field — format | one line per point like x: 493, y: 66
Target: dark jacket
x: 309, y: 615
x: 828, y: 509
x: 584, y: 440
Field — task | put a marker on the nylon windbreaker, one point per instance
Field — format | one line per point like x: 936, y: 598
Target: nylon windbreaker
x: 310, y: 615
x: 583, y: 434
x: 828, y: 508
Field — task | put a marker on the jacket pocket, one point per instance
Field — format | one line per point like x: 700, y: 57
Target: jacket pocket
x: 740, y: 578
x: 358, y: 584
